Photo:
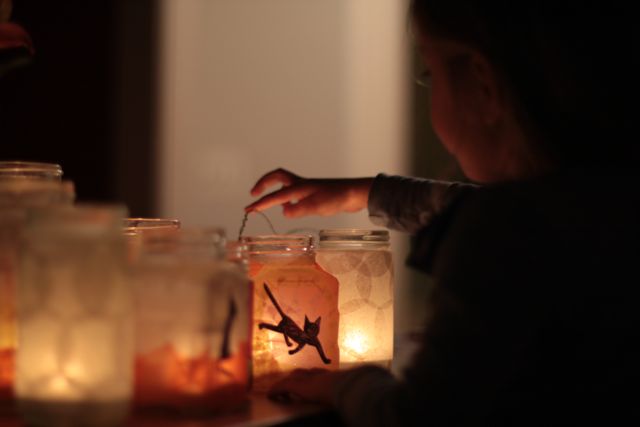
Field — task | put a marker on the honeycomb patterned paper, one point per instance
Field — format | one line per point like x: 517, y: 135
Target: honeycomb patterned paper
x: 365, y: 304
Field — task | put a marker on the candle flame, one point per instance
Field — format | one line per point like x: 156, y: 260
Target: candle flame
x: 356, y: 341
x: 59, y: 384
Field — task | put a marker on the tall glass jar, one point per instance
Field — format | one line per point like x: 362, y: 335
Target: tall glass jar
x: 23, y: 185
x: 361, y: 261
x: 192, y: 323
x: 295, y: 308
x: 75, y: 311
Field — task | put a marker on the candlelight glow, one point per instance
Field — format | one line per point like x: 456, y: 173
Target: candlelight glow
x: 356, y: 341
x: 59, y: 385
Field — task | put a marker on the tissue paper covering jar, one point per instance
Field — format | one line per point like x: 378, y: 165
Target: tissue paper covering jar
x: 23, y: 185
x: 361, y: 261
x: 75, y: 312
x: 192, y: 324
x: 295, y: 308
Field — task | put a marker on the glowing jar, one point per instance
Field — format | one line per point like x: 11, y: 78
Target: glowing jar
x: 295, y: 308
x: 75, y: 311
x: 361, y: 261
x: 23, y: 185
x: 192, y: 324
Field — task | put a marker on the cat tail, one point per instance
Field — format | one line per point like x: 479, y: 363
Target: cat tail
x: 273, y: 300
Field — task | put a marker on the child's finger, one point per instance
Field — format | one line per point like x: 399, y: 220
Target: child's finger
x: 279, y: 197
x: 277, y: 176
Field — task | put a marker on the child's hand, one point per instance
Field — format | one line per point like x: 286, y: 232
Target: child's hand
x: 306, y: 385
x: 306, y: 196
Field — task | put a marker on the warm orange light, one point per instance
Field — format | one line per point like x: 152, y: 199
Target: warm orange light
x: 356, y: 342
x: 164, y: 377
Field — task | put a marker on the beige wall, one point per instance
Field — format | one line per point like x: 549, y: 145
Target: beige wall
x: 318, y: 87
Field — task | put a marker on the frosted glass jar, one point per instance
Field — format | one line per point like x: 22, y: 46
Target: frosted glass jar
x: 75, y: 312
x: 361, y: 261
x: 295, y: 308
x: 192, y: 324
x: 23, y: 185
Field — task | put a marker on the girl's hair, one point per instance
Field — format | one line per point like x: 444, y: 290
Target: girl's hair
x: 569, y: 65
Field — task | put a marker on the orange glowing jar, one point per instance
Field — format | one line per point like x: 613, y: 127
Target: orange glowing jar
x: 192, y: 324
x: 295, y: 308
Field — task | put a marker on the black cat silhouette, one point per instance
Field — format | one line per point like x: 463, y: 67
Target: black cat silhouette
x: 289, y: 329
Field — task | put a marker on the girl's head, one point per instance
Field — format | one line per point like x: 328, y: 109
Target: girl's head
x: 520, y: 88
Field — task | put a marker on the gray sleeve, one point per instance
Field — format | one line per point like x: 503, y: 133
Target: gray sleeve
x: 409, y: 204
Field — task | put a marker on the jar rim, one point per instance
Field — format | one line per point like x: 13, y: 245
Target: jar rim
x: 362, y: 235
x: 278, y: 243
x: 140, y: 224
x: 26, y: 169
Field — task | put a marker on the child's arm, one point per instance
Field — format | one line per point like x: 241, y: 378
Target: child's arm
x: 409, y: 204
x: 310, y: 196
x: 400, y: 203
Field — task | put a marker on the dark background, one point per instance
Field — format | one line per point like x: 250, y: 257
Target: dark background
x: 87, y: 99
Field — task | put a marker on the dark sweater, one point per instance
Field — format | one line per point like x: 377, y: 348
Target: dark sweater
x: 534, y: 315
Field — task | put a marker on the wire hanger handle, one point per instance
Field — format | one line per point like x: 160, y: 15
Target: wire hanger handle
x: 246, y: 217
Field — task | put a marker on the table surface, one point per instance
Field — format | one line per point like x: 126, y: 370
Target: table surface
x: 258, y: 412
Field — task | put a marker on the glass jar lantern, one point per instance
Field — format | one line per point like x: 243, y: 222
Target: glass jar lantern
x: 75, y: 312
x: 361, y: 261
x: 295, y: 308
x: 23, y: 186
x: 192, y: 323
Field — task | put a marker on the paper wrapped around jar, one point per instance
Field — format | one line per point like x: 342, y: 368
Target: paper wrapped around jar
x: 192, y: 324
x: 295, y: 308
x: 75, y: 312
x: 361, y: 261
x: 23, y: 185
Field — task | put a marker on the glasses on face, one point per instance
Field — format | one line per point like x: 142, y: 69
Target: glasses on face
x: 424, y: 79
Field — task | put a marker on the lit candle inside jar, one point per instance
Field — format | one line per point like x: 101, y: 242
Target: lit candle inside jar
x: 355, y: 343
x: 74, y: 358
x: 23, y: 185
x: 361, y: 261
x: 192, y: 323
x: 295, y: 309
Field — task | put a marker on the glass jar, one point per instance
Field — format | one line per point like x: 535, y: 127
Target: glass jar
x: 23, y: 186
x: 236, y: 252
x: 295, y: 308
x: 192, y: 324
x: 75, y: 311
x: 361, y: 261
x: 30, y: 170
x: 134, y: 228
